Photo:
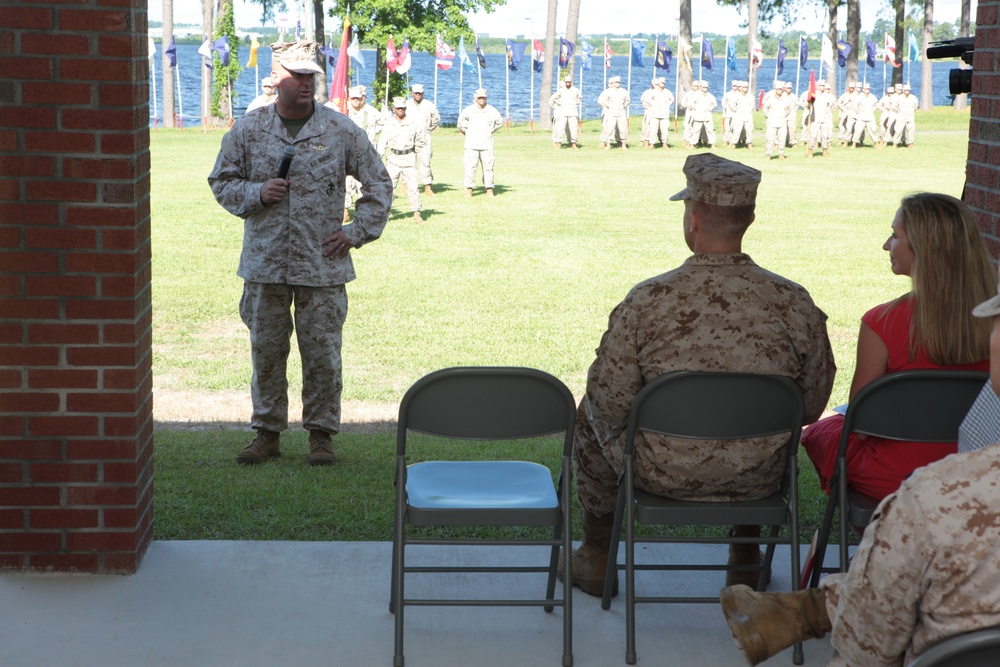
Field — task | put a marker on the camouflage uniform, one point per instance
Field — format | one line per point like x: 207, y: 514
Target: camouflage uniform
x: 657, y: 103
x: 368, y: 119
x: 865, y: 118
x: 478, y: 125
x: 741, y: 120
x: 906, y: 112
x: 716, y: 312
x: 700, y: 109
x: 282, y: 260
x: 426, y: 116
x: 401, y: 142
x: 614, y: 118
x: 565, y: 104
x: 927, y: 567
x: 776, y: 122
x: 821, y: 120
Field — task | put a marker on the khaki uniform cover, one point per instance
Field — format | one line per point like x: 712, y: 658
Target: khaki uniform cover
x: 614, y: 103
x: 657, y: 103
x: 927, y: 568
x: 401, y: 142
x: 425, y: 115
x: 718, y: 312
x: 282, y: 260
x: 478, y: 125
x: 565, y: 105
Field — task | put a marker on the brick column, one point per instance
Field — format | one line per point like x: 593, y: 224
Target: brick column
x: 76, y: 473
x: 982, y: 190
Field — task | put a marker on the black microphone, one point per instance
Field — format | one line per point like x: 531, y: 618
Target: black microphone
x: 286, y: 161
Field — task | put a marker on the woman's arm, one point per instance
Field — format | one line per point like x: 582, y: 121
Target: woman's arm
x: 872, y: 359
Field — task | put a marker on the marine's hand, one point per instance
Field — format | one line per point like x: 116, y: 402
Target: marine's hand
x: 273, y: 191
x: 336, y: 245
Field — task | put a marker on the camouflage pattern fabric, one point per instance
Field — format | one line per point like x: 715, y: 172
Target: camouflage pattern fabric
x: 926, y: 569
x: 716, y: 312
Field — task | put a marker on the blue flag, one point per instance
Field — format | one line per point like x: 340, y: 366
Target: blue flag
x: 222, y: 46
x: 731, y: 54
x: 663, y: 56
x: 331, y: 55
x: 803, y: 52
x: 843, y: 50
x: 586, y: 55
x: 171, y: 52
x: 872, y: 52
x: 463, y: 57
x: 566, y: 49
x: 914, y: 49
x: 515, y: 53
x: 638, y: 50
x: 782, y: 52
x: 707, y: 57
x: 480, y: 55
x: 354, y: 51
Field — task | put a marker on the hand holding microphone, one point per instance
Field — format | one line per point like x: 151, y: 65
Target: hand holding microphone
x: 274, y: 190
x: 286, y: 161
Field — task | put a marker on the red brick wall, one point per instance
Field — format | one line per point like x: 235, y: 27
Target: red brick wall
x: 982, y: 190
x: 76, y: 473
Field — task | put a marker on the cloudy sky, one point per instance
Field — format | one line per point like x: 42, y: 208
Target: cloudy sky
x: 521, y: 17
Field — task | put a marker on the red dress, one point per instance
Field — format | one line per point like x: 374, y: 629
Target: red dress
x: 876, y: 467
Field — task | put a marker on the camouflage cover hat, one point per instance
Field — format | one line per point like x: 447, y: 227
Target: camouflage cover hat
x: 266, y: 81
x: 715, y: 180
x: 298, y: 57
x: 614, y: 79
x: 417, y: 88
x: 356, y: 92
x: 399, y: 102
x: 568, y: 77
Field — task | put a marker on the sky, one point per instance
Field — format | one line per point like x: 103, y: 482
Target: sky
x: 527, y: 17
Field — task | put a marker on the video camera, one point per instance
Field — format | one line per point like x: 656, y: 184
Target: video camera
x: 959, y: 80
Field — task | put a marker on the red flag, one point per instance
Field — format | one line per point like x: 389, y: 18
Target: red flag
x: 812, y: 86
x: 338, y: 87
x: 391, y: 57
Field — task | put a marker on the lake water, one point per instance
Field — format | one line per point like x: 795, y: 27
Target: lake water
x: 520, y: 104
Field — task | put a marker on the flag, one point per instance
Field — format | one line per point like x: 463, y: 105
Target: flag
x: 707, y: 57
x: 463, y: 57
x: 515, y: 53
x: 566, y: 49
x: 826, y: 52
x: 812, y: 86
x: 663, y: 56
x: 480, y: 55
x: 222, y: 46
x: 731, y: 54
x: 205, y: 51
x: 338, y: 84
x: 782, y: 52
x: 586, y: 55
x: 152, y: 52
x: 803, y: 52
x: 914, y: 49
x: 607, y: 54
x: 757, y: 58
x: 638, y: 50
x: 354, y: 51
x: 537, y: 55
x: 683, y: 55
x: 871, y: 52
x: 331, y: 55
x: 252, y: 60
x: 843, y: 50
x: 890, y: 51
x: 443, y: 54
x: 171, y: 52
x: 404, y: 59
x: 391, y: 56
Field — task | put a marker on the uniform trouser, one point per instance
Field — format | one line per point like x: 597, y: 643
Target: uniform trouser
x: 565, y: 126
x: 907, y: 126
x: 697, y: 126
x: 408, y: 174
x: 318, y: 322
x: 727, y: 129
x: 644, y: 129
x: 424, y: 163
x: 859, y: 130
x: 742, y: 130
x: 775, y: 136
x: 472, y: 159
x: 847, y: 124
x: 658, y: 131
x: 790, y: 132
x: 888, y: 128
x: 614, y: 129
x: 596, y: 479
x: 820, y: 133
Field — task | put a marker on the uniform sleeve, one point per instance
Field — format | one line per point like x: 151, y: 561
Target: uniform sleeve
x: 230, y: 179
x: 372, y: 209
x: 434, y: 120
x: 614, y: 378
x: 818, y: 369
x: 497, y: 122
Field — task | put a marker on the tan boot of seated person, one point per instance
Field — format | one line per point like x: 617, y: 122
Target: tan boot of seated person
x: 764, y: 624
x: 590, y: 561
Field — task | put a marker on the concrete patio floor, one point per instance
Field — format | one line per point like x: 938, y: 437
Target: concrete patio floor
x: 264, y: 604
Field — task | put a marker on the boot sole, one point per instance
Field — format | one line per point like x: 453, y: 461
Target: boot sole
x: 590, y: 586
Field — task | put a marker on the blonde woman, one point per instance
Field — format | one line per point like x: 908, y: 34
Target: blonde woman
x: 935, y: 241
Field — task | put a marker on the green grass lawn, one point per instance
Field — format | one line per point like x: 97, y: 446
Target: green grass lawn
x: 527, y: 278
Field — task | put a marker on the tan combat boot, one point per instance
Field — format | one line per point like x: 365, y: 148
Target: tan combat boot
x: 573, y: 146
x: 468, y: 192
x: 556, y: 145
x: 590, y: 561
x: 417, y: 219
x: 764, y: 624
x: 428, y: 191
x: 489, y: 192
x: 743, y: 556
x: 263, y: 447
x: 826, y: 152
x: 320, y: 449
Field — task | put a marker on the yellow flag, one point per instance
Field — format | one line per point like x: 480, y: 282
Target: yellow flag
x: 252, y: 61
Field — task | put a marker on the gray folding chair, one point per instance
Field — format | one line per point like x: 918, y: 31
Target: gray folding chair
x: 918, y: 406
x: 980, y: 648
x: 494, y: 404
x: 708, y: 406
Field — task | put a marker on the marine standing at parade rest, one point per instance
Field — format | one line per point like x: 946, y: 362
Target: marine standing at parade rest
x: 368, y: 119
x: 820, y: 119
x: 426, y: 116
x: 659, y: 101
x: 906, y: 118
x: 401, y: 140
x: 776, y: 120
x: 266, y: 96
x: 565, y: 105
x: 887, y: 120
x: 296, y: 250
x: 728, y: 103
x: 702, y: 128
x: 614, y: 103
x: 742, y: 118
x: 791, y: 108
x: 865, y: 121
x: 478, y: 122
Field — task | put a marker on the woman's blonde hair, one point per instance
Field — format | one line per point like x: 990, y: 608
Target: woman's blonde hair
x: 951, y: 274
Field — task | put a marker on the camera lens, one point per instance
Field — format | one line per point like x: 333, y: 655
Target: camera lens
x: 960, y: 81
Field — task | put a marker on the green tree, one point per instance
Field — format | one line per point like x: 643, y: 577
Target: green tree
x: 224, y: 78
x: 375, y: 21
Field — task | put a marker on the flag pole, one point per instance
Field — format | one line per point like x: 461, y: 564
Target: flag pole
x: 531, y: 97
x: 605, y: 68
x: 580, y: 104
x: 677, y: 79
x: 152, y: 65
x: 461, y: 77
x: 725, y: 69
x: 798, y: 70
x: 775, y: 68
x: 178, y: 118
x: 629, y: 86
x: 506, y: 72
x: 436, y: 68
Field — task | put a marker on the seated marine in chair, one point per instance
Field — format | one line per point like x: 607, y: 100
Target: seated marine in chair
x: 718, y: 311
x: 925, y: 571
